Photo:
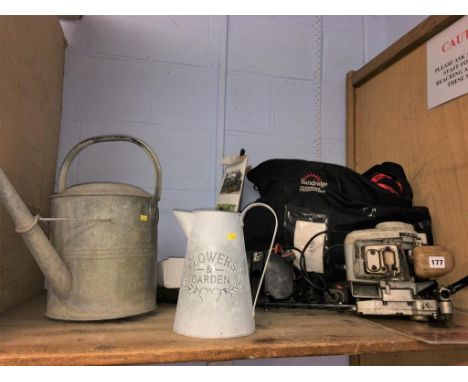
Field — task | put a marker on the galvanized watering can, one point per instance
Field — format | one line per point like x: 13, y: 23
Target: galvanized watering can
x: 101, y: 264
x: 215, y: 299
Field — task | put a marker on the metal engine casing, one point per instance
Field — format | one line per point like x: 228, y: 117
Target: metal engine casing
x: 380, y: 273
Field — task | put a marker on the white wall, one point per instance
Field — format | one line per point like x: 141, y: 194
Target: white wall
x: 156, y: 78
x: 342, y: 51
x: 195, y: 89
x: 273, y: 89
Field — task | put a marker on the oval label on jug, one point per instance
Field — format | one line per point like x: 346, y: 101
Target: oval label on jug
x: 212, y: 275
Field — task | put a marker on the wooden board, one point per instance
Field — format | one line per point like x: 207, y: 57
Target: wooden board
x: 421, y: 358
x: 388, y: 120
x: 455, y: 331
x: 392, y: 123
x: 28, y: 338
x: 31, y: 76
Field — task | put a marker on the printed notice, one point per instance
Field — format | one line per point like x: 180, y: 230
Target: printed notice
x: 447, y: 64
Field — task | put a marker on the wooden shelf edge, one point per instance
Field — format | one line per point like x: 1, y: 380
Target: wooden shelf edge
x: 145, y: 358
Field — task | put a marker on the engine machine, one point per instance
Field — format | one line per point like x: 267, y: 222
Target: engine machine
x: 391, y: 271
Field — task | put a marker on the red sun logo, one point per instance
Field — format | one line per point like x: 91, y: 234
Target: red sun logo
x: 312, y: 176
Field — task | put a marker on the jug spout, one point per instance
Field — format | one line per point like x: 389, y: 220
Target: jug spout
x: 50, y: 263
x: 185, y: 219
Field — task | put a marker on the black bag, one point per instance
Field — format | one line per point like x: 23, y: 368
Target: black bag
x: 349, y: 201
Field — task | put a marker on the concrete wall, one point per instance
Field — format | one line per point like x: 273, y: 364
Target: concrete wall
x: 194, y: 88
x: 273, y: 89
x: 159, y: 79
x: 342, y: 50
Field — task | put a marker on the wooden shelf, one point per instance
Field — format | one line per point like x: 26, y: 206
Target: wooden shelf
x: 29, y: 338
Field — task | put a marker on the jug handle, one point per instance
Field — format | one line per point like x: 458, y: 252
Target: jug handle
x: 271, y: 245
x: 62, y: 179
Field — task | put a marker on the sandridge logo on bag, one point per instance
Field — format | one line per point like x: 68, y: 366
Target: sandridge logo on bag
x: 312, y: 182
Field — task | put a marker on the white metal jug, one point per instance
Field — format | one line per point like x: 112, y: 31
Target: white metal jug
x: 215, y: 299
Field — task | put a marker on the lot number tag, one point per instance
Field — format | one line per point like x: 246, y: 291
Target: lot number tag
x: 436, y: 262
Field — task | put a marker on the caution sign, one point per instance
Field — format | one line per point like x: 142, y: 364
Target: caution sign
x: 447, y: 64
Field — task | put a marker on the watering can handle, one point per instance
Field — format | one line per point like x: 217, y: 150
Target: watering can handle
x: 62, y: 179
x: 271, y: 245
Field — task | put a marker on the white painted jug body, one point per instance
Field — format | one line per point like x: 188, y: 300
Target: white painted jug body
x: 215, y: 299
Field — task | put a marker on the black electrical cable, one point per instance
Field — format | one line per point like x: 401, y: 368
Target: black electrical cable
x: 332, y: 247
x: 304, y: 274
x: 325, y: 254
x: 302, y: 261
x: 458, y: 285
x: 318, y: 234
x: 304, y: 293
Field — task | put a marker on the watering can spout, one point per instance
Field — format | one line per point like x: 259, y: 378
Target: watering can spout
x: 50, y: 263
x: 185, y: 220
